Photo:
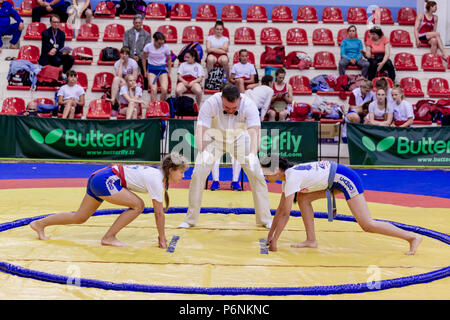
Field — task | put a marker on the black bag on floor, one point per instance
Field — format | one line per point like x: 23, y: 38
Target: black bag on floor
x: 184, y: 106
x: 215, y: 78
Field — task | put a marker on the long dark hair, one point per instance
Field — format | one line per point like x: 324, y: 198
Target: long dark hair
x: 283, y: 164
x: 172, y: 161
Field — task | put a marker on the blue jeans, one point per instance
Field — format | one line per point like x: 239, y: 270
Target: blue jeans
x: 12, y: 29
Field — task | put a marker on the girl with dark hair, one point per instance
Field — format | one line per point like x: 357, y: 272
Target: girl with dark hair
x: 378, y: 51
x: 190, y: 76
x: 316, y: 180
x: 217, y: 49
x: 115, y: 184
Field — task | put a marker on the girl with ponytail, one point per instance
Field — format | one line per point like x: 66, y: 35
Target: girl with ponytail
x: 116, y: 184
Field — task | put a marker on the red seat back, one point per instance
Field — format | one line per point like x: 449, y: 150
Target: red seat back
x: 400, y: 38
x: 432, y: 62
x: 114, y: 32
x: 282, y: 14
x: 332, y: 15
x: 231, y: 12
x: 382, y: 16
x: 82, y: 79
x: 99, y: 109
x: 324, y: 60
x: 34, y: 31
x: 300, y: 85
x: 271, y: 35
x: 206, y: 12
x: 101, y: 80
x: 296, y: 36
x: 158, y: 109
x: 29, y: 52
x: 438, y: 87
x: 88, y: 32
x: 244, y: 35
x: 322, y: 36
x: 357, y: 15
x: 170, y: 32
x: 44, y: 101
x: 156, y: 10
x: 405, y: 61
x: 105, y: 9
x: 192, y: 33
x: 26, y: 7
x: 251, y: 57
x: 13, y: 105
x: 85, y: 50
x: 411, y: 87
x: 67, y: 29
x: 406, y: 16
x: 307, y: 14
x: 256, y: 13
x: 181, y: 11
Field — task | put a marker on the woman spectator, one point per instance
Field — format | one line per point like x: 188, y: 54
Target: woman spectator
x: 425, y: 29
x: 156, y: 60
x: 380, y: 111
x: 71, y: 96
x: 282, y: 97
x: 131, y: 98
x: 351, y: 48
x: 358, y: 97
x: 190, y: 76
x: 217, y: 49
x: 76, y: 11
x: 403, y: 110
x: 378, y: 51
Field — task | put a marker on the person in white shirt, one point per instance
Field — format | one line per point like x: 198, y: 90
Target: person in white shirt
x: 157, y: 63
x: 71, y: 96
x: 190, y: 76
x: 228, y: 122
x: 116, y: 184
x: 403, y: 110
x: 381, y: 112
x: 262, y: 95
x: 358, y: 97
x: 130, y: 99
x: 217, y: 49
x: 243, y: 73
x: 311, y: 181
x: 122, y: 67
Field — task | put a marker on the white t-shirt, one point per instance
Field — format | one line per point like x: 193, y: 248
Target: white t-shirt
x: 217, y: 43
x: 131, y: 66
x: 68, y: 92
x: 144, y: 179
x: 124, y: 90
x: 403, y: 111
x: 261, y: 96
x: 194, y: 69
x: 359, y: 100
x: 232, y: 126
x: 306, y: 177
x: 156, y: 57
x: 379, y: 113
x: 243, y: 70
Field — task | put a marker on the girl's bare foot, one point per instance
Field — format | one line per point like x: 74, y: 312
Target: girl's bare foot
x: 305, y: 244
x: 36, y: 226
x: 272, y: 246
x: 113, y: 241
x: 414, y: 244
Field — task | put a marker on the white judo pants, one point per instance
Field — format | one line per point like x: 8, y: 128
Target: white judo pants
x: 239, y: 150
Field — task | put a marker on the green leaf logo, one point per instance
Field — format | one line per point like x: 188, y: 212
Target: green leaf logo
x: 386, y: 143
x: 36, y: 136
x: 190, y: 139
x: 50, y: 138
x: 368, y: 143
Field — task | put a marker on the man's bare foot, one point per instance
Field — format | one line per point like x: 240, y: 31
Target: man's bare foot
x: 36, y: 226
x: 305, y: 244
x: 113, y: 241
x: 414, y: 244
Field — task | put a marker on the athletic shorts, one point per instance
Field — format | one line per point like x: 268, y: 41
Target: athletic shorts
x: 103, y: 183
x: 347, y: 181
x: 423, y: 37
x: 156, y: 70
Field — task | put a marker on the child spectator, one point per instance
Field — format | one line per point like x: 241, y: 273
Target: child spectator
x: 380, y: 111
x: 190, y: 76
x: 282, y: 97
x: 6, y: 28
x: 217, y: 49
x: 71, y: 96
x: 403, y: 110
x: 382, y: 83
x: 243, y: 72
x: 131, y: 98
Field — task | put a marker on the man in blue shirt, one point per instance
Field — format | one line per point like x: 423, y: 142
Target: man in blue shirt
x: 6, y: 28
x: 45, y: 7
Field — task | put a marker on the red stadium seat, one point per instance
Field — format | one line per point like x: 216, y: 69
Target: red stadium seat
x: 263, y: 64
x: 400, y: 38
x: 26, y: 7
x: 13, y: 105
x: 296, y: 36
x: 88, y: 32
x: 438, y: 87
x: 405, y: 61
x: 357, y: 15
x: 225, y: 33
x: 105, y: 9
x: 170, y: 32
x: 244, y: 35
x: 156, y: 11
x: 101, y: 81
x: 181, y: 11
x: 282, y: 14
x: 389, y: 80
x: 206, y: 12
x: 192, y: 33
x: 411, y: 87
x: 231, y: 12
x: 342, y: 34
x: 332, y: 15
x: 158, y: 109
x: 251, y: 57
x: 99, y: 109
x: 34, y: 31
x: 82, y: 79
x: 307, y: 14
x: 300, y: 85
x: 100, y: 61
x: 147, y: 28
x: 79, y: 59
x: 382, y: 16
x: 366, y: 36
x: 271, y: 35
x: 406, y: 16
x: 67, y: 29
x: 114, y: 32
x: 324, y: 60
x: 29, y: 52
x: 432, y: 62
x: 256, y: 13
x: 322, y: 37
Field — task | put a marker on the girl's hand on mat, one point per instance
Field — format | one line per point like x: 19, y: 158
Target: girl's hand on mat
x: 162, y: 243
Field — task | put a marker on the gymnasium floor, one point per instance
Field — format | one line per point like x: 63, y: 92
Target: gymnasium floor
x: 223, y: 257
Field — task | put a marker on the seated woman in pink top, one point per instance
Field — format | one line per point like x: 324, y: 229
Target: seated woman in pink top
x: 378, y: 50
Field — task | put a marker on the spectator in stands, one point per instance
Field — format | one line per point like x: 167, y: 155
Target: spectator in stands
x: 282, y: 97
x: 217, y: 49
x: 403, y: 110
x: 122, y: 67
x: 381, y: 112
x: 131, y: 98
x: 351, y: 48
x: 71, y: 96
x: 31, y: 109
x: 156, y: 60
x: 6, y: 28
x: 243, y: 73
x: 357, y: 99
x: 378, y: 51
x: 136, y: 39
x: 262, y: 95
x: 53, y: 40
x: 382, y: 83
x: 425, y: 29
x: 76, y: 11
x: 190, y: 76
x: 44, y: 7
